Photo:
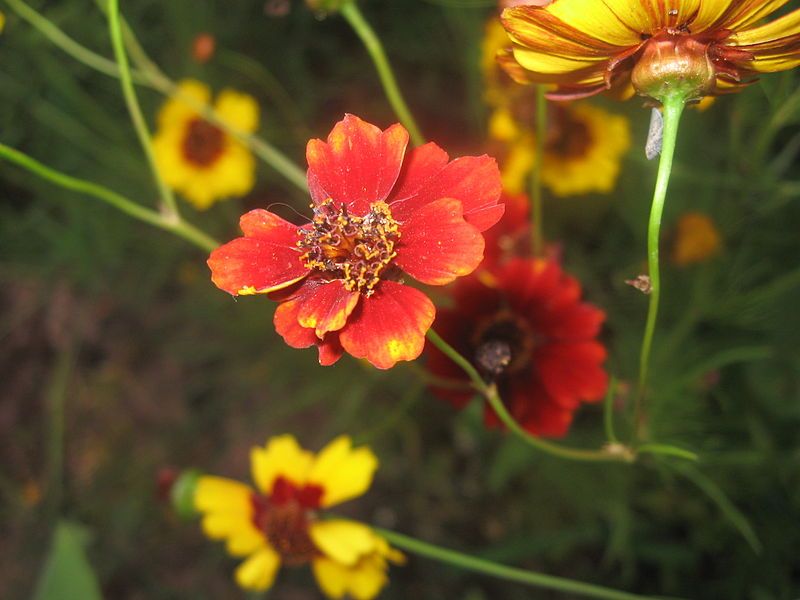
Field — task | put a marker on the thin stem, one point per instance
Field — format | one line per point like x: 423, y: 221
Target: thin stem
x: 486, y: 567
x: 181, y: 228
x: 352, y: 14
x: 56, y: 400
x: 673, y: 107
x: 149, y: 75
x: 537, y: 227
x: 612, y: 453
x: 608, y: 411
x: 169, y: 206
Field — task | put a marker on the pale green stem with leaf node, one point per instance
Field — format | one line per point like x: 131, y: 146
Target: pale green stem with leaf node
x: 169, y: 206
x: 180, y: 228
x: 672, y: 109
x: 610, y: 453
x: 486, y: 567
x: 352, y: 14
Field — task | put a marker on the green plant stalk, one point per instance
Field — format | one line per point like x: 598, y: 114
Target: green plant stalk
x: 611, y: 453
x: 352, y: 14
x: 537, y: 226
x: 152, y: 77
x: 169, y: 205
x: 673, y: 108
x: 608, y: 411
x: 486, y: 567
x: 180, y: 228
x: 56, y: 400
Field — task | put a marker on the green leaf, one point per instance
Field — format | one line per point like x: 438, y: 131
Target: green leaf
x: 67, y: 574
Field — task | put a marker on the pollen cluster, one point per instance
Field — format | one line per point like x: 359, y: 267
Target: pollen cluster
x: 356, y: 249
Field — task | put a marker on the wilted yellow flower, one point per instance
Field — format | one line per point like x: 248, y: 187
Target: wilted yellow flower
x: 197, y: 158
x: 700, y: 46
x: 696, y: 239
x: 277, y: 522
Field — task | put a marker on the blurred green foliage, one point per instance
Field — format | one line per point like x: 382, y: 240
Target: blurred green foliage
x: 158, y: 368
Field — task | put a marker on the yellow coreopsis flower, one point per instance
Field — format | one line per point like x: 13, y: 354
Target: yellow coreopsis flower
x: 706, y: 46
x: 696, y: 239
x: 197, y: 158
x: 277, y: 522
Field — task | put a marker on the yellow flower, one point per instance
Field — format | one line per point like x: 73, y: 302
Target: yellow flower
x: 709, y: 46
x: 583, y: 149
x: 696, y: 239
x: 198, y: 159
x: 277, y: 522
x: 2, y: 21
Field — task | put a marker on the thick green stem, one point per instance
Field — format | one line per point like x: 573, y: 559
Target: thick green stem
x: 610, y: 453
x: 353, y: 15
x: 479, y: 565
x: 180, y: 228
x: 672, y: 109
x: 537, y: 226
x: 169, y: 206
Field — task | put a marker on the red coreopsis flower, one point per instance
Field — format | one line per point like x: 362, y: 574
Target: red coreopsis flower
x: 378, y: 214
x: 524, y: 326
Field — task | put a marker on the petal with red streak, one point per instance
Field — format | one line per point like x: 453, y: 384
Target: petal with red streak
x: 296, y: 336
x: 326, y: 307
x: 475, y: 180
x: 437, y: 244
x: 266, y: 260
x: 389, y: 326
x: 358, y: 165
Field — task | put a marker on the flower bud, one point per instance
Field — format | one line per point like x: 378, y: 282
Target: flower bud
x: 181, y: 493
x: 674, y: 65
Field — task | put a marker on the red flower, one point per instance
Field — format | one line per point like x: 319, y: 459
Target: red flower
x: 377, y: 216
x: 524, y: 326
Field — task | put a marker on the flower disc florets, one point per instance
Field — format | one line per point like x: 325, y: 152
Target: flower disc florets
x: 348, y: 247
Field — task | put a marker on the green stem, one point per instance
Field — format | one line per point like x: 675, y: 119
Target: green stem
x: 56, y: 399
x: 611, y: 453
x: 673, y: 107
x: 149, y: 75
x: 180, y: 228
x: 608, y: 411
x: 169, y: 206
x: 352, y: 14
x: 537, y: 227
x: 486, y: 567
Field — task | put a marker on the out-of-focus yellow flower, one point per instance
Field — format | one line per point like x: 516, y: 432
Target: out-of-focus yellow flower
x: 696, y: 239
x: 2, y: 21
x: 198, y: 159
x: 701, y: 47
x: 583, y: 149
x: 277, y: 522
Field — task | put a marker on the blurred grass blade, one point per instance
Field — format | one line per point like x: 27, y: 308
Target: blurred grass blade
x: 667, y: 450
x: 728, y: 508
x: 67, y: 574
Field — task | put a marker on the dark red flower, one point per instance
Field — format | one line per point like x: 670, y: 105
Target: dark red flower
x: 524, y: 326
x: 378, y: 214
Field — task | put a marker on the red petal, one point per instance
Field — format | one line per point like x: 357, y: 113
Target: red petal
x: 389, y: 326
x: 437, y: 244
x: 296, y: 336
x: 358, y: 165
x: 326, y: 307
x: 475, y: 180
x: 420, y: 168
x: 537, y: 412
x: 572, y: 372
x: 266, y: 260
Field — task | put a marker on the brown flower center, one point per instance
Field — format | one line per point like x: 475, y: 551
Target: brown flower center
x: 504, y: 343
x: 203, y: 143
x: 354, y: 249
x: 568, y: 136
x: 284, y: 519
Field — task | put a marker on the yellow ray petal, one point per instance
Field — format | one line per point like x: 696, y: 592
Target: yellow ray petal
x: 238, y: 110
x: 343, y: 472
x: 258, y: 572
x: 281, y: 456
x: 175, y: 110
x: 785, y: 26
x: 221, y: 495
x: 618, y: 22
x: 341, y: 540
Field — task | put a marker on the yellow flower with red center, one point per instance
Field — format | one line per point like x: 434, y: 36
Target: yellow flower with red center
x: 583, y: 145
x: 197, y: 158
x: 696, y: 239
x: 277, y: 522
x: 708, y: 46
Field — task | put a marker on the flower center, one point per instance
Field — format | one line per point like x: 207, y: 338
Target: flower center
x: 503, y: 344
x: 284, y: 517
x: 203, y: 142
x: 568, y: 136
x: 348, y: 247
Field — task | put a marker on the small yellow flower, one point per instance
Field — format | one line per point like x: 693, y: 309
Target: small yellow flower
x: 198, y: 159
x: 696, y: 239
x: 277, y: 522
